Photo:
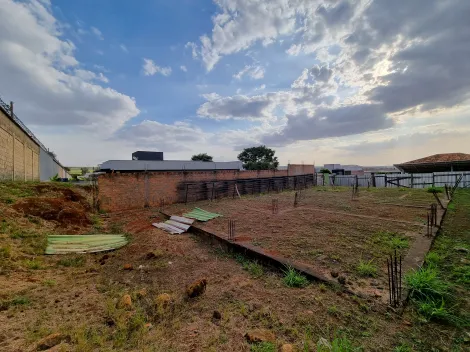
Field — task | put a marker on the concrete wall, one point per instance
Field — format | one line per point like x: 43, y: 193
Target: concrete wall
x: 19, y: 155
x: 135, y: 190
x: 49, y: 167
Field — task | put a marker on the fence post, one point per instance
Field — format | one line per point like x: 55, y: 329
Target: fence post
x: 372, y: 175
x: 385, y: 178
x: 357, y: 182
x: 433, y: 179
x: 411, y: 180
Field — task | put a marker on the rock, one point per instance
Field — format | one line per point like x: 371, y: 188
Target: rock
x: 461, y: 249
x: 128, y: 267
x: 162, y: 301
x: 125, y: 302
x: 334, y: 273
x: 197, y: 288
x: 216, y: 315
x: 51, y: 341
x: 342, y: 279
x: 287, y: 347
x: 377, y: 293
x: 148, y: 326
x: 260, y: 335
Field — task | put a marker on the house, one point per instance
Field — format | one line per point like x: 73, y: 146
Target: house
x: 150, y: 164
x: 339, y: 169
x: 437, y: 163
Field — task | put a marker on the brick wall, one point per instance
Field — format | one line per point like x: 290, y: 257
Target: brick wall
x: 19, y: 155
x: 121, y: 191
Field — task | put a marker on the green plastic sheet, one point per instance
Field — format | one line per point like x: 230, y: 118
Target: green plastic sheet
x: 62, y: 244
x: 201, y: 214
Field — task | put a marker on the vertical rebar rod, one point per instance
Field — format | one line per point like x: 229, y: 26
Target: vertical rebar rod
x: 400, y: 283
x: 389, y: 283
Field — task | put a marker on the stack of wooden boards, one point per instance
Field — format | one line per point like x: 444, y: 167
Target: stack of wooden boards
x: 176, y: 225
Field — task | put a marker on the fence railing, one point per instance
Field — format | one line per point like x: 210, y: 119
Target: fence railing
x: 422, y: 180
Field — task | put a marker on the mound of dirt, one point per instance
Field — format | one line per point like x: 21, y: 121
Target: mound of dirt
x: 70, y: 210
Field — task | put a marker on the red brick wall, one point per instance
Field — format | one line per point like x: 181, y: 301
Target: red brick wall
x: 136, y: 190
x: 300, y: 169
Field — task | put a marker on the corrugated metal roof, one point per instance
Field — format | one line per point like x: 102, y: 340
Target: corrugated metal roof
x: 168, y: 165
x: 62, y: 244
x: 201, y: 214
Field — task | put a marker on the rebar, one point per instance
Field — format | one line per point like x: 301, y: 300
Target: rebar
x: 275, y: 206
x: 162, y: 203
x: 231, y: 230
x: 394, y: 271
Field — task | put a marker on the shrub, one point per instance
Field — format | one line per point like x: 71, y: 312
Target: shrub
x: 366, y: 269
x: 294, y: 279
x: 434, y: 190
x: 263, y: 347
x: 75, y: 261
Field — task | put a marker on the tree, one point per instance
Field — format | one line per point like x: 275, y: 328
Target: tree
x: 258, y: 158
x: 201, y: 157
x: 85, y: 170
x: 325, y: 171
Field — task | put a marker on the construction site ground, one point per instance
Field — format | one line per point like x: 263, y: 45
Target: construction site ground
x: 82, y: 297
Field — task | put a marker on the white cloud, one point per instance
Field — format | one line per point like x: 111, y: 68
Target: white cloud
x: 255, y: 72
x: 193, y: 48
x: 150, y: 68
x: 183, y: 68
x: 97, y: 33
x: 124, y: 48
x: 41, y: 74
x: 178, y: 136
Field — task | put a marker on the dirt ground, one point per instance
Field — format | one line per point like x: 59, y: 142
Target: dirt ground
x: 79, y: 296
x: 327, y: 229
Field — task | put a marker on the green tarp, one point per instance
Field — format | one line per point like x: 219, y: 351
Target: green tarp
x: 62, y: 244
x: 201, y: 215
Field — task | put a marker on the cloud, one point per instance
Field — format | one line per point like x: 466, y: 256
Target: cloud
x: 179, y: 136
x: 41, y: 74
x: 331, y: 122
x: 238, y: 107
x: 254, y: 71
x: 97, y: 33
x: 124, y: 48
x: 183, y: 68
x: 150, y: 68
x: 193, y: 48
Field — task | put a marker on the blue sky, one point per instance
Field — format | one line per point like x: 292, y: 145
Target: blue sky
x: 347, y: 81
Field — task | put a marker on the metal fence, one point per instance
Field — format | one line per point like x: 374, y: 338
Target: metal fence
x: 435, y: 179
x: 193, y: 191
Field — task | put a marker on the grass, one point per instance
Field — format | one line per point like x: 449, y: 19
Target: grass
x: 14, y: 302
x: 253, y: 267
x: 434, y: 190
x: 425, y: 284
x: 338, y: 344
x: 49, y: 283
x: 263, y: 347
x: 33, y: 264
x: 390, y: 241
x: 74, y: 261
x: 292, y: 278
x: 366, y: 269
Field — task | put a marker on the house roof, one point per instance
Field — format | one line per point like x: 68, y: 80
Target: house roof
x: 168, y: 165
x: 440, y: 158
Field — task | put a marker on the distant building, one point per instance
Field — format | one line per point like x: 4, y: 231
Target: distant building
x: 437, y: 163
x: 167, y: 165
x: 145, y: 155
x: 339, y: 169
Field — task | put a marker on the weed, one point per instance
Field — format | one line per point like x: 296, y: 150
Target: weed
x: 116, y: 227
x: 75, y: 261
x: 333, y: 310
x: 97, y: 222
x: 5, y: 252
x: 402, y: 348
x: 432, y: 310
x: 322, y: 287
x: 434, y: 190
x: 49, y: 283
x: 339, y: 344
x: 397, y: 242
x: 366, y: 268
x: 18, y: 301
x: 294, y: 279
x: 263, y: 347
x: 433, y: 258
x: 255, y: 269
x: 425, y: 284
x: 33, y: 264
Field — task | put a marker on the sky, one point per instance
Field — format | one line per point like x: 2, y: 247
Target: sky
x: 347, y: 81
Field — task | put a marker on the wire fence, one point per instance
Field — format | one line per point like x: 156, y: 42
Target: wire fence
x: 423, y: 180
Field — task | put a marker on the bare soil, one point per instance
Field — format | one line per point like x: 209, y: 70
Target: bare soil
x: 80, y: 300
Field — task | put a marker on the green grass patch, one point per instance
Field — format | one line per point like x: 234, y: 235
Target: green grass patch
x: 292, y: 278
x: 263, y: 347
x: 14, y: 302
x: 338, y: 344
x: 49, y: 283
x: 434, y: 190
x: 33, y: 264
x: 366, y: 268
x: 388, y: 241
x: 73, y: 261
x: 426, y: 284
x: 253, y: 267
